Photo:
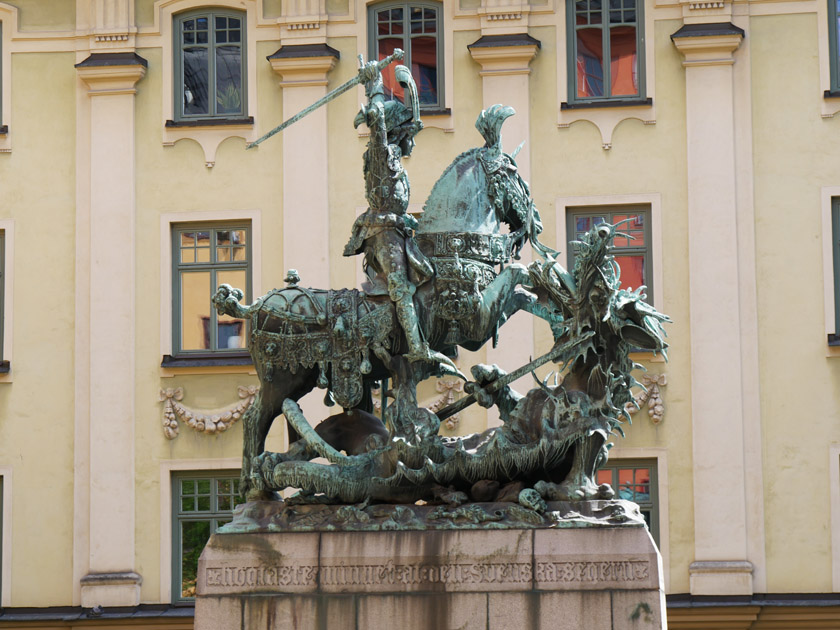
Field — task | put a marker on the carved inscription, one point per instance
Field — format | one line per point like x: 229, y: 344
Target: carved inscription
x: 418, y: 574
x: 388, y: 574
x: 628, y: 571
x: 256, y: 577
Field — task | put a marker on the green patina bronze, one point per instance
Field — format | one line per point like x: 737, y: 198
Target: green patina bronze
x: 434, y: 285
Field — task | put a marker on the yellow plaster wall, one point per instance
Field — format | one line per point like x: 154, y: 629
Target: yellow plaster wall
x: 144, y: 12
x: 36, y: 408
x: 45, y: 15
x: 175, y: 179
x: 800, y: 387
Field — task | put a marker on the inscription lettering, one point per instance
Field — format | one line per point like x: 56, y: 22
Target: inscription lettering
x: 370, y: 574
x: 628, y: 571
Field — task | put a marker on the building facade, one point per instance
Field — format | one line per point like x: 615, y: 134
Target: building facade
x: 127, y: 196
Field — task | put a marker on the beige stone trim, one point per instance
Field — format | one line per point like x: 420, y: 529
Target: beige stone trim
x: 504, y: 60
x: 721, y: 577
x: 303, y: 72
x: 7, y: 226
x: 6, y: 567
x: 112, y: 80
x: 654, y: 200
x: 606, y: 119
x: 834, y: 502
x: 9, y: 21
x: 209, y: 138
x: 167, y: 467
x: 617, y: 453
x: 707, y: 50
x: 166, y: 221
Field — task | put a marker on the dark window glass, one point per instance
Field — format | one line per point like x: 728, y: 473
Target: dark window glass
x: 210, y: 66
x: 416, y: 29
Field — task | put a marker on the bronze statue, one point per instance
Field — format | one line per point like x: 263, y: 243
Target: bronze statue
x: 444, y: 282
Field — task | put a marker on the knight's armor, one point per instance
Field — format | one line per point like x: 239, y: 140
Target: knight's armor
x: 384, y: 231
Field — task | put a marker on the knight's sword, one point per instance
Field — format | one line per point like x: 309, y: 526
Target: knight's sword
x: 341, y: 89
x: 496, y: 385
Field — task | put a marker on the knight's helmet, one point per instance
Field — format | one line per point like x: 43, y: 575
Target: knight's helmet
x: 402, y: 119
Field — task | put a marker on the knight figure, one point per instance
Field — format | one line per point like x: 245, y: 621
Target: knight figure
x: 384, y: 232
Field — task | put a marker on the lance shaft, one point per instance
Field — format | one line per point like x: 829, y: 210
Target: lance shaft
x: 341, y: 89
x: 500, y: 382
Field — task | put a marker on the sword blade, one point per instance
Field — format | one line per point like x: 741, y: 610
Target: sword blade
x: 341, y: 89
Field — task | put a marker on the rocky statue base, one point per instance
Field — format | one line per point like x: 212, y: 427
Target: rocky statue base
x: 589, y: 564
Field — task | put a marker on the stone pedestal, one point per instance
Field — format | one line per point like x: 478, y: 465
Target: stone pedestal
x: 567, y: 576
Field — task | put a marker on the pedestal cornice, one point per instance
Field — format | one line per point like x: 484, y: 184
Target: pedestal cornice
x: 112, y: 73
x: 304, y: 64
x: 708, y: 44
x: 504, y: 54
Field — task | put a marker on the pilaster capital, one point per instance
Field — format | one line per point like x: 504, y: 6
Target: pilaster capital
x: 112, y: 73
x: 504, y: 54
x: 301, y: 65
x: 708, y: 44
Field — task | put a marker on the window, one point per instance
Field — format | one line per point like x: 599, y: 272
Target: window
x: 632, y: 252
x: 201, y: 503
x: 206, y: 256
x: 635, y: 480
x: 833, y: 47
x: 416, y: 28
x: 210, y: 65
x: 605, y: 51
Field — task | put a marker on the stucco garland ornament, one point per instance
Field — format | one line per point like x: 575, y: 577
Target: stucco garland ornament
x: 211, y: 422
x: 448, y: 388
x: 650, y: 396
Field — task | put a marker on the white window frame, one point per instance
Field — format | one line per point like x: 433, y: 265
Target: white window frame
x: 166, y: 222
x: 834, y: 502
x: 563, y: 205
x: 9, y: 23
x: 167, y: 467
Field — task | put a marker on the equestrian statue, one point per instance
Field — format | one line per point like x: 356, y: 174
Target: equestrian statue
x: 445, y: 280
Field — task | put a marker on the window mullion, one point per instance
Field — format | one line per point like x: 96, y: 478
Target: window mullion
x: 211, y: 58
x: 607, y: 25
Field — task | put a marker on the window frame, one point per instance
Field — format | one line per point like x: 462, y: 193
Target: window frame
x: 571, y: 61
x: 835, y: 251
x: 211, y: 13
x: 373, y: 39
x: 573, y: 212
x: 2, y: 292
x: 653, y: 505
x: 213, y: 266
x: 178, y: 517
x: 833, y: 49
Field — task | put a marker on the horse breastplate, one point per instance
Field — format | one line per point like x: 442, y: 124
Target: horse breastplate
x: 492, y: 249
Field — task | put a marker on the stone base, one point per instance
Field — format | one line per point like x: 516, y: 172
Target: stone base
x: 598, y: 578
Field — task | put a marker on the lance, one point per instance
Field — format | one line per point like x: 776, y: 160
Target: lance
x: 341, y: 89
x: 496, y: 385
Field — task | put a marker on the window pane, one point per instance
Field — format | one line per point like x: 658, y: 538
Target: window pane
x: 187, y: 239
x: 195, y: 310
x: 223, y: 254
x: 228, y: 80
x: 222, y: 237
x: 231, y: 332
x: 187, y: 255
x: 194, y: 535
x: 386, y: 47
x: 590, y: 62
x: 588, y: 12
x: 634, y: 226
x: 225, y: 503
x: 604, y: 476
x: 623, y: 61
x: 203, y: 504
x: 195, y: 81
x: 203, y: 486
x: 239, y: 253
x: 632, y: 271
x: 188, y: 504
x: 424, y: 68
x: 238, y: 237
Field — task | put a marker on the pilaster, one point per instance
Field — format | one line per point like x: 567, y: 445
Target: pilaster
x: 303, y: 71
x: 505, y: 79
x: 722, y: 377
x: 108, y: 286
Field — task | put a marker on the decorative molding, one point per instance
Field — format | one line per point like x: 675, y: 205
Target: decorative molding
x: 696, y: 6
x: 304, y: 70
x: 652, y: 397
x: 112, y: 73
x: 300, y: 17
x: 203, y: 421
x: 504, y: 54
x: 708, y: 44
x: 448, y: 388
